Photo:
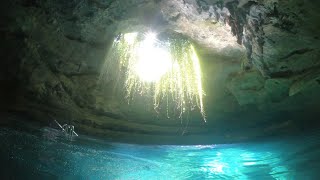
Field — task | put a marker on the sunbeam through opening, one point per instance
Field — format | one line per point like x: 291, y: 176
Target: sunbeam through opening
x: 169, y: 70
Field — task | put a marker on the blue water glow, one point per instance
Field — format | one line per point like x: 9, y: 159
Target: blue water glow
x: 47, y: 154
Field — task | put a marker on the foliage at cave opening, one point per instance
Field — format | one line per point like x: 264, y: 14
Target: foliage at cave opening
x: 169, y: 70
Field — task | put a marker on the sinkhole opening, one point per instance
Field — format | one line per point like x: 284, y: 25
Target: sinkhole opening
x: 169, y: 69
x: 153, y: 61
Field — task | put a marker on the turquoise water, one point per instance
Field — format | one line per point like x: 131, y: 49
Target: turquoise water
x: 48, y: 154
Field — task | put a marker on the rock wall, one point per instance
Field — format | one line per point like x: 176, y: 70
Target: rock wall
x: 260, y: 62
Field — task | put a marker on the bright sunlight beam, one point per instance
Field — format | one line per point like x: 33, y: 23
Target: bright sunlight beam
x: 170, y: 70
x: 153, y: 62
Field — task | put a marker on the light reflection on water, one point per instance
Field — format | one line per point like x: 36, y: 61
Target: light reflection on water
x: 47, y: 154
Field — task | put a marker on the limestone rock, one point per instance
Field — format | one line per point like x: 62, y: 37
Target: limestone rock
x: 259, y: 60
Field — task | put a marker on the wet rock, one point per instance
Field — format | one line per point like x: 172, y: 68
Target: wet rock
x: 247, y: 87
x: 270, y: 36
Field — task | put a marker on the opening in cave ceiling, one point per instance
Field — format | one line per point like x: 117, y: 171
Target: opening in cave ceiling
x: 168, y: 69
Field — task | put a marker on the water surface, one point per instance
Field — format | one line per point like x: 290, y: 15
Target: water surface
x: 47, y: 153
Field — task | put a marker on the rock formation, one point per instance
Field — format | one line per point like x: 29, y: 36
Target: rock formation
x: 260, y: 63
